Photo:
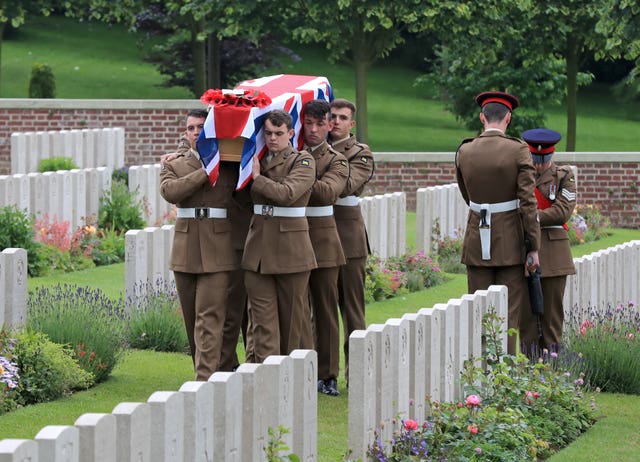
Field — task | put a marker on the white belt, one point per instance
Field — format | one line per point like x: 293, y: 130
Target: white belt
x: 202, y: 212
x: 320, y: 211
x: 485, y: 211
x: 495, y: 208
x: 275, y: 211
x: 349, y: 201
x: 552, y: 226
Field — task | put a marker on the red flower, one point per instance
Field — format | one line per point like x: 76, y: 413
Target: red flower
x: 410, y: 424
x: 473, y: 400
x: 473, y: 429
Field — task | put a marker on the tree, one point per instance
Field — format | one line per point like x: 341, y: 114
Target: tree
x: 488, y: 46
x: 14, y: 12
x: 359, y: 32
x: 519, y: 45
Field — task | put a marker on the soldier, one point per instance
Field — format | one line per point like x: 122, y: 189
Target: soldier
x: 202, y: 256
x: 556, y: 195
x: 497, y: 179
x: 332, y: 172
x: 278, y: 255
x: 349, y: 220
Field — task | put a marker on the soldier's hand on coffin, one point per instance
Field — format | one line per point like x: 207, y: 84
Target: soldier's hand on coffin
x: 255, y: 167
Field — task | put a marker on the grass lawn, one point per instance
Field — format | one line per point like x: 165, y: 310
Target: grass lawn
x: 142, y: 372
x: 93, y: 60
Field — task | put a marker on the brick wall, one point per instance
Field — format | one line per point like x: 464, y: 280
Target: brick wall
x: 609, y: 180
x: 152, y: 127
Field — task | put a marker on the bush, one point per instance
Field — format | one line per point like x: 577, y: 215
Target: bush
x: 515, y: 410
x: 156, y: 322
x: 397, y: 275
x: 109, y: 249
x: 119, y: 210
x: 47, y: 370
x: 9, y: 376
x: 53, y: 164
x: 88, y: 321
x: 587, y: 224
x: 605, y: 347
x: 61, y: 250
x: 42, y: 83
x: 16, y: 230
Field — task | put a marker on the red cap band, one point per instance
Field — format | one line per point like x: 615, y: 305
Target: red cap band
x: 498, y: 100
x: 537, y: 149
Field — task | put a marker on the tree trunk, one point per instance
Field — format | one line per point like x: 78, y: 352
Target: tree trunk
x: 214, y: 68
x: 198, y: 51
x: 361, y: 66
x: 2, y: 25
x: 571, y: 58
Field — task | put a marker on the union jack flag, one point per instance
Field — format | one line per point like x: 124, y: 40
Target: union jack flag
x: 287, y: 91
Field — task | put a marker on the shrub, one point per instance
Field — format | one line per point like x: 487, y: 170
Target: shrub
x: 16, y: 230
x: 62, y: 251
x: 156, y: 322
x: 605, y: 346
x: 109, y: 249
x: 119, y: 210
x: 397, y: 275
x: 83, y: 318
x: 587, y: 224
x: 9, y: 376
x: 53, y: 164
x: 514, y: 410
x: 47, y: 369
x: 448, y: 249
x: 42, y: 83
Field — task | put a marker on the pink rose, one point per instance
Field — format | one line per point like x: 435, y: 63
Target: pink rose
x: 410, y: 424
x: 473, y: 400
x: 473, y: 429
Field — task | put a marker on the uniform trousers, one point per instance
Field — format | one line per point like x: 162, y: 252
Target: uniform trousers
x: 481, y: 277
x: 323, y: 289
x: 552, y: 320
x: 278, y: 307
x: 236, y: 311
x: 203, y: 302
x: 351, y: 301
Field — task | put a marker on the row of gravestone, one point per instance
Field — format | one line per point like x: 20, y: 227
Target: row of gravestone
x: 226, y: 418
x: 88, y: 148
x: 74, y: 195
x: 147, y: 251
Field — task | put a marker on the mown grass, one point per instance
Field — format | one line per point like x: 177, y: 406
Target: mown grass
x: 403, y: 117
x: 143, y: 372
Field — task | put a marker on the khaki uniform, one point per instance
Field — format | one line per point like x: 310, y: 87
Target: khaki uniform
x: 201, y: 256
x: 332, y: 172
x: 353, y: 236
x: 491, y: 169
x: 240, y: 216
x: 278, y: 255
x: 557, y: 185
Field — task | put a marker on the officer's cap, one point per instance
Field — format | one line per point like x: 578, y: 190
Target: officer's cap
x: 541, y: 141
x: 498, y: 97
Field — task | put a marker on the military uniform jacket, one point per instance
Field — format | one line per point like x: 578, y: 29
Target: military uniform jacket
x: 332, y: 172
x: 495, y: 168
x: 557, y: 185
x: 200, y: 245
x: 349, y: 220
x: 279, y: 245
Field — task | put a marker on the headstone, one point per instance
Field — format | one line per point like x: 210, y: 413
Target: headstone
x: 18, y: 153
x: 133, y: 432
x: 166, y: 410
x: 18, y: 450
x: 13, y: 271
x: 97, y: 436
x: 227, y: 416
x: 305, y: 412
x: 198, y: 421
x: 58, y: 443
x: 253, y: 414
x: 400, y: 354
x: 433, y: 353
x: 384, y: 379
x: 136, y: 267
x: 447, y: 333
x: 417, y: 352
x: 280, y: 371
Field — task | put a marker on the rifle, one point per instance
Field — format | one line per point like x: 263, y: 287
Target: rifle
x: 536, y: 298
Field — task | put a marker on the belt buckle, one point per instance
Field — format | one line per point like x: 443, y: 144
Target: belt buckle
x: 267, y: 210
x: 202, y: 212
